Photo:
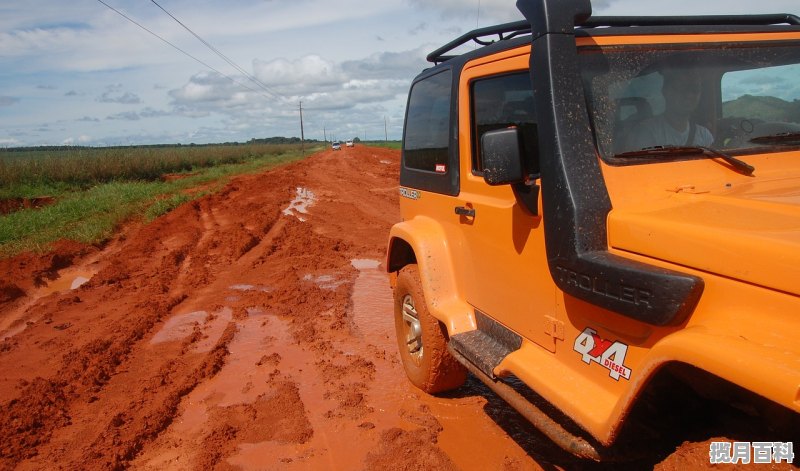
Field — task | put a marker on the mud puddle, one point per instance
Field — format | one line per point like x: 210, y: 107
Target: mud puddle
x: 68, y: 279
x: 462, y: 413
x: 372, y: 302
x: 299, y: 205
x: 328, y: 448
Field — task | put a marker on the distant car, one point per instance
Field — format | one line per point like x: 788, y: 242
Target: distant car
x: 349, y: 143
x: 336, y: 145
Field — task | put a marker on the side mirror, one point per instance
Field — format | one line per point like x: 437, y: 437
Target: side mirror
x: 502, y: 156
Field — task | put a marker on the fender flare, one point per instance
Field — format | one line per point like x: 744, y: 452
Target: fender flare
x: 423, y: 241
x: 750, y: 365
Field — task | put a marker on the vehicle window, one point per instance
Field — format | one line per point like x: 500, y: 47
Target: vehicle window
x: 500, y: 102
x: 759, y: 102
x: 733, y: 99
x: 427, y: 134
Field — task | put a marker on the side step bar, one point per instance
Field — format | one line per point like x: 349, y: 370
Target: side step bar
x: 481, y: 350
x: 555, y: 432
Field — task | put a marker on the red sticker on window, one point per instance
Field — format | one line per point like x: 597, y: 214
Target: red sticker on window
x: 441, y: 168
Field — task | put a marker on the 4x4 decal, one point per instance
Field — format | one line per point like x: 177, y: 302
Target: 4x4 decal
x: 608, y: 354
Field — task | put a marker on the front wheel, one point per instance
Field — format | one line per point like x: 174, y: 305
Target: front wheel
x: 422, y: 339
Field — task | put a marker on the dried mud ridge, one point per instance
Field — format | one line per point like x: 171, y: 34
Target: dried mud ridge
x: 250, y: 329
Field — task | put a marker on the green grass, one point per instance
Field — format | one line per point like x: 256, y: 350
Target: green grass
x: 387, y: 144
x: 22, y: 174
x: 89, y: 210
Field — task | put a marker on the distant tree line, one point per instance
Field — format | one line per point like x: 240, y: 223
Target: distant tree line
x: 268, y: 140
x: 279, y: 140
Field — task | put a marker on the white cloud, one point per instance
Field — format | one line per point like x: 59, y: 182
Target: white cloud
x: 211, y: 88
x: 311, y: 70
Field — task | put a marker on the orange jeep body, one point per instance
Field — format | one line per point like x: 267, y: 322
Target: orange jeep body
x: 584, y: 340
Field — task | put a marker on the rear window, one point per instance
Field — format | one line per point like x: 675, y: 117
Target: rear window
x: 427, y: 124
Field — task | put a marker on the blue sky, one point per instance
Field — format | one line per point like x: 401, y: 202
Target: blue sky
x: 78, y: 73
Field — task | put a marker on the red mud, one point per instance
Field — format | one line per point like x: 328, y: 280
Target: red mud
x: 9, y: 205
x: 250, y: 329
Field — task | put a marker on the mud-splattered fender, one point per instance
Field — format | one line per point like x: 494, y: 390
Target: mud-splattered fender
x: 422, y: 240
x: 772, y: 371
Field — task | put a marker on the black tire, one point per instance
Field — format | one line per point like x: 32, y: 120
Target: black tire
x: 423, y: 351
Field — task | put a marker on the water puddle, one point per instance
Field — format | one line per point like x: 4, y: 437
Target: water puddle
x: 328, y: 447
x: 373, y: 308
x: 179, y: 327
x: 68, y: 279
x: 240, y: 381
x: 300, y: 203
x: 324, y: 281
x: 365, y: 264
x: 215, y: 326
x: 264, y: 353
x: 242, y: 287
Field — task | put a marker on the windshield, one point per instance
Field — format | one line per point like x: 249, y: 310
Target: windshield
x: 734, y: 98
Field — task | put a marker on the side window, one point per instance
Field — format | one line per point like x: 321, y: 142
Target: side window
x: 756, y: 103
x: 500, y: 102
x: 425, y: 145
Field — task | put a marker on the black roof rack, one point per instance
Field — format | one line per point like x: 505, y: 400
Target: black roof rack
x: 504, y: 32
x: 507, y: 31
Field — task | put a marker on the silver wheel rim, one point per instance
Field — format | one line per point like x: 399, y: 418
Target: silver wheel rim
x: 413, y: 328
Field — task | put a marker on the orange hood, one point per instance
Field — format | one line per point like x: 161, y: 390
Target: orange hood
x: 749, y: 232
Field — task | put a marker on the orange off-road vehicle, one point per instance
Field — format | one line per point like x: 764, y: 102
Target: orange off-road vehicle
x: 602, y: 212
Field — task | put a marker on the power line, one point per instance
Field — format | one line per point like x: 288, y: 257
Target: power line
x: 183, y: 52
x: 253, y: 79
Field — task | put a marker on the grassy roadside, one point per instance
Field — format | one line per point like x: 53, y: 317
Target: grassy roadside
x: 91, y: 215
x: 396, y: 145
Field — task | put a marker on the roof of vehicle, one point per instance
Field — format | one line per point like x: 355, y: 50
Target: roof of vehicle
x: 509, y: 35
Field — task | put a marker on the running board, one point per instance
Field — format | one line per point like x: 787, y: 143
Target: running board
x: 555, y: 432
x: 481, y: 350
x: 486, y: 346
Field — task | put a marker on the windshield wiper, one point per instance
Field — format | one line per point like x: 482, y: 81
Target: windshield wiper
x: 659, y: 151
x: 781, y: 138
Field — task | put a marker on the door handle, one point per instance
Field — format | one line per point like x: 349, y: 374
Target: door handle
x: 465, y: 211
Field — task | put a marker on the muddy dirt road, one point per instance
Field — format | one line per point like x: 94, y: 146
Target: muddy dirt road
x: 250, y: 329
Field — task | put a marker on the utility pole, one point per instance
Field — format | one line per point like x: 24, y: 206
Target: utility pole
x: 385, y: 132
x: 324, y: 136
x: 302, y: 137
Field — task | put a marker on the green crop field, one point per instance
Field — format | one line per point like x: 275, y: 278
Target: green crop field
x: 95, y: 190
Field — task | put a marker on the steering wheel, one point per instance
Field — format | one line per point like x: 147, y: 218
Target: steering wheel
x: 733, y: 132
